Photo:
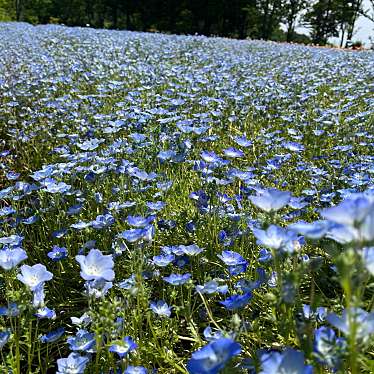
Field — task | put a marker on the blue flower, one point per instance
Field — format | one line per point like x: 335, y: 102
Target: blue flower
x: 102, y: 221
x: 45, y: 312
x: 191, y: 250
x: 139, y: 221
x: 134, y: 235
x: 287, y: 362
x: 161, y: 308
x: 4, y: 337
x: 211, y: 287
x: 97, y: 287
x: 74, y: 363
x: 351, y: 211
x: 233, y: 152
x: 52, y: 336
x: 276, y: 237
x: 11, y: 310
x: 328, y: 348
x: 11, y: 257
x: 315, y: 230
x: 271, y: 199
x: 123, y: 347
x: 177, y: 279
x: 213, y: 357
x: 264, y: 255
x: 96, y: 265
x: 354, y: 319
x: 135, y: 370
x: 82, y: 341
x: 57, y: 253
x: 33, y: 276
x: 237, y: 301
x: 236, y: 263
x: 163, y: 260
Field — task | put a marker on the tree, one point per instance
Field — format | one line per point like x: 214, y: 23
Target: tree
x: 369, y: 13
x: 348, y: 11
x: 323, y: 18
x: 292, y: 9
x: 270, y: 14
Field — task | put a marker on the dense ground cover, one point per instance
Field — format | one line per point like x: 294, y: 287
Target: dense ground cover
x: 154, y: 196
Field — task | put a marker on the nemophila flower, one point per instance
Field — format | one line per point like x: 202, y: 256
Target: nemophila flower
x: 328, y: 348
x: 139, y: 221
x: 271, y: 200
x: 4, y: 337
x: 82, y: 341
x: 237, y: 301
x: 75, y: 209
x: 56, y: 187
x: 6, y: 211
x: 12, y: 310
x: 343, y: 234
x: 30, y: 220
x: 38, y: 296
x: 59, y: 233
x: 155, y: 206
x: 123, y: 347
x: 134, y: 235
x: 83, y: 320
x: 264, y: 255
x: 135, y: 370
x: 96, y: 265
x: 211, y: 335
x: 319, y: 313
x: 11, y: 257
x: 177, y: 279
x: 12, y: 240
x: 161, y: 308
x: 211, y: 287
x: 97, y: 287
x: 287, y: 362
x: 52, y: 336
x: 45, y: 312
x: 191, y: 250
x: 233, y: 152
x: 275, y: 237
x: 315, y: 230
x: 163, y: 260
x: 90, y: 144
x: 74, y: 363
x: 367, y: 255
x: 213, y: 357
x: 351, y: 211
x: 354, y: 219
x: 242, y: 141
x: 34, y: 276
x: 81, y: 225
x: 353, y: 319
x: 57, y: 253
x: 293, y: 146
x: 236, y: 263
x: 102, y: 221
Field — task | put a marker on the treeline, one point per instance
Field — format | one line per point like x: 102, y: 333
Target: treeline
x: 259, y: 19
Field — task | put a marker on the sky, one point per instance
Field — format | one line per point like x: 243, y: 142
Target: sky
x: 364, y: 29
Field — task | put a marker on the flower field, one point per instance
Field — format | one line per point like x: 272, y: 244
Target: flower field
x: 184, y: 204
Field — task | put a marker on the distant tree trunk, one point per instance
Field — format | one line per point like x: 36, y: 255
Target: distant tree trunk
x: 18, y: 5
x: 342, y: 36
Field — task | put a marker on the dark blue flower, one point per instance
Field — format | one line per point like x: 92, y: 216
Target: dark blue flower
x: 213, y: 357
